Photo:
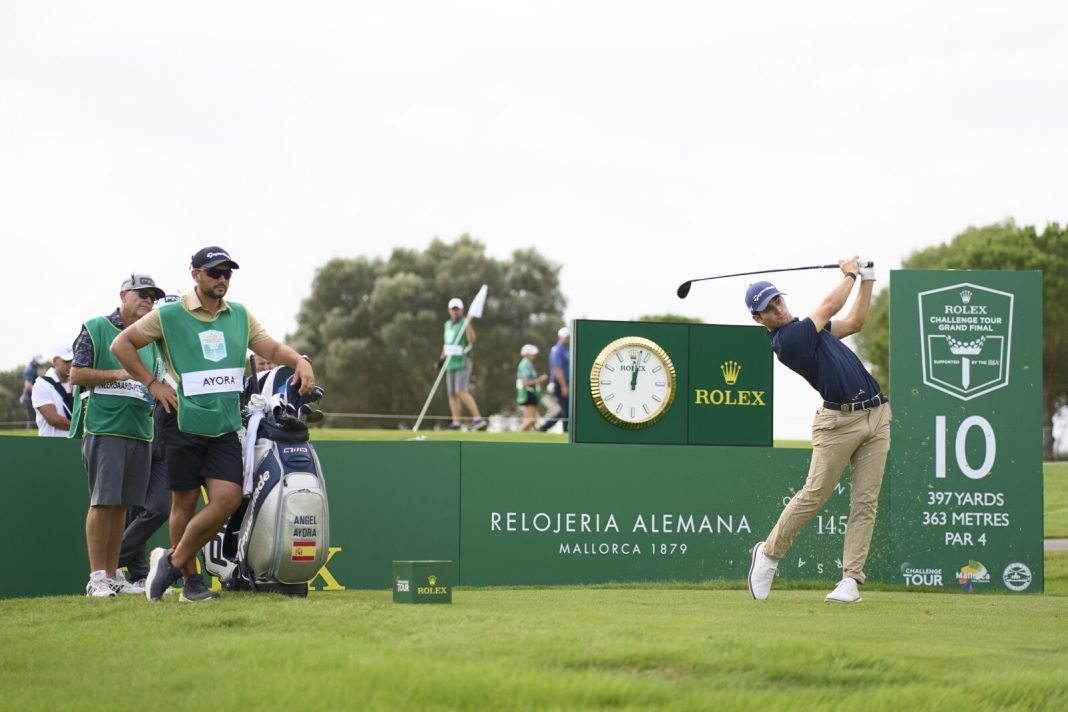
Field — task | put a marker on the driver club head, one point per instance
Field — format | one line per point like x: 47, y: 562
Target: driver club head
x: 684, y: 289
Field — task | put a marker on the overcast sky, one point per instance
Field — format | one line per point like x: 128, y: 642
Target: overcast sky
x: 636, y: 144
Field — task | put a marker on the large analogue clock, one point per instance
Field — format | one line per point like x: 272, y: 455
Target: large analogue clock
x: 632, y: 382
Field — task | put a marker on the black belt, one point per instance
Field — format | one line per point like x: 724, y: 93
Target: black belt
x: 873, y: 402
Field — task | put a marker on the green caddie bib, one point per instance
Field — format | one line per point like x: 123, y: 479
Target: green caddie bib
x: 122, y: 408
x: 209, y: 358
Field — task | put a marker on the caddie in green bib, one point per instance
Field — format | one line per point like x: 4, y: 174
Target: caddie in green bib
x: 121, y: 408
x: 209, y: 359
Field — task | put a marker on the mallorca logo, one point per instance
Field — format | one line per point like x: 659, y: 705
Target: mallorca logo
x: 213, y: 345
x: 965, y: 339
x: 1017, y: 577
x: 974, y: 572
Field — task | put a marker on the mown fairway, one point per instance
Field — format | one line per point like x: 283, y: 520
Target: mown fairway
x: 637, y: 647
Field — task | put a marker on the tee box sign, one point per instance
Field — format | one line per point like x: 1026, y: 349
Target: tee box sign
x: 670, y: 384
x: 966, y: 452
x: 422, y: 582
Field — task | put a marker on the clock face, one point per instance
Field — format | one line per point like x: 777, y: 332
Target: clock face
x: 632, y: 382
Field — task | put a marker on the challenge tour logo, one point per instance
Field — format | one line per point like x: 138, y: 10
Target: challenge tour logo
x: 965, y: 339
x: 213, y: 345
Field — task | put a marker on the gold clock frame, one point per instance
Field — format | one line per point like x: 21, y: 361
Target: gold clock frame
x: 595, y: 381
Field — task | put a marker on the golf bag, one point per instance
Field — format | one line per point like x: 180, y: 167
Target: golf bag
x: 278, y: 539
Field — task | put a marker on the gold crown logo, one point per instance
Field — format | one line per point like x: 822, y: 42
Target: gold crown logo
x: 730, y: 369
x: 966, y: 295
x: 432, y: 580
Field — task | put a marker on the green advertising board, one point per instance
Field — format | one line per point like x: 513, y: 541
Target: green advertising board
x: 670, y: 384
x: 502, y: 513
x: 532, y: 514
x: 966, y: 372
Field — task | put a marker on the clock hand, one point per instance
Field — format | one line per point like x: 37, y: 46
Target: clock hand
x: 634, y: 375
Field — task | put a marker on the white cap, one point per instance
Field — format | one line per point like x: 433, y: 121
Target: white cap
x: 37, y: 358
x: 529, y: 350
x: 456, y: 303
x: 564, y: 332
x: 65, y: 352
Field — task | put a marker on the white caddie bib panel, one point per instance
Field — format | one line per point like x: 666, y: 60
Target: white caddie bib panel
x: 218, y: 380
x: 127, y: 389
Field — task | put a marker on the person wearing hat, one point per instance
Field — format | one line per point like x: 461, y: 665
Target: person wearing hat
x: 528, y: 386
x: 113, y: 415
x: 51, y: 396
x: 29, y: 377
x: 851, y: 428
x: 560, y: 368
x: 459, y: 339
x: 204, y: 338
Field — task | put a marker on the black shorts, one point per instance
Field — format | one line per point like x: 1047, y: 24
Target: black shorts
x: 191, y: 459
x: 532, y: 399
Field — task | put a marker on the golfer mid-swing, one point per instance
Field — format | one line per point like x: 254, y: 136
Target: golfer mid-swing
x: 852, y: 427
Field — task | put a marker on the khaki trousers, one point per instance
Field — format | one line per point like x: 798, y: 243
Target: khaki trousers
x: 862, y: 440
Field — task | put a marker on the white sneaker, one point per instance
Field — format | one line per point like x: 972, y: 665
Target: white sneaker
x: 845, y: 592
x: 98, y: 588
x: 761, y: 572
x: 121, y: 586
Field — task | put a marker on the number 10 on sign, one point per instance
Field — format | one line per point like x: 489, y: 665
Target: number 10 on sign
x: 989, y: 443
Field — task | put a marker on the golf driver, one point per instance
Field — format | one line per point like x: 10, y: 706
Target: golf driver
x: 684, y: 288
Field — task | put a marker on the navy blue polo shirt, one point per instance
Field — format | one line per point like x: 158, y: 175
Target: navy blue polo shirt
x: 823, y: 360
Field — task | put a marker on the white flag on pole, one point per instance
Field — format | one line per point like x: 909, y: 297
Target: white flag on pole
x: 478, y: 303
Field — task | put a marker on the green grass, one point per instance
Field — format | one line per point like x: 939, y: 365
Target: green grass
x: 627, y: 647
x: 1055, y: 499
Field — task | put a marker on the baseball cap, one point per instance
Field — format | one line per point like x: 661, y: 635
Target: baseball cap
x: 456, y: 303
x: 759, y: 294
x: 529, y: 350
x: 141, y: 281
x: 65, y: 352
x: 564, y: 332
x: 38, y: 358
x: 211, y: 257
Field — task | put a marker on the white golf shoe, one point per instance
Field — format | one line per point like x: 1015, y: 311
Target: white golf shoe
x: 845, y: 592
x: 121, y: 586
x: 761, y: 572
x: 98, y: 588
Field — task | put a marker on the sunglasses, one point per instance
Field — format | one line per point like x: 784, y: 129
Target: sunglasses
x: 146, y: 294
x: 217, y: 272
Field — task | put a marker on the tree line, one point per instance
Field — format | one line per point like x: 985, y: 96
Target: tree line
x: 373, y: 326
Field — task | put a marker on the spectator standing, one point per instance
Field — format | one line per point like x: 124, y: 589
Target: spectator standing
x: 51, y: 396
x: 205, y: 338
x: 114, y: 412
x: 560, y: 372
x: 29, y: 377
x: 459, y: 340
x: 528, y: 386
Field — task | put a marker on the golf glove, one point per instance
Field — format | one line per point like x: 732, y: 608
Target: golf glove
x: 867, y: 274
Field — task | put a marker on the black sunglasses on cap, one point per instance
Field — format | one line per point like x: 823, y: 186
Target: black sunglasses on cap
x: 217, y: 272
